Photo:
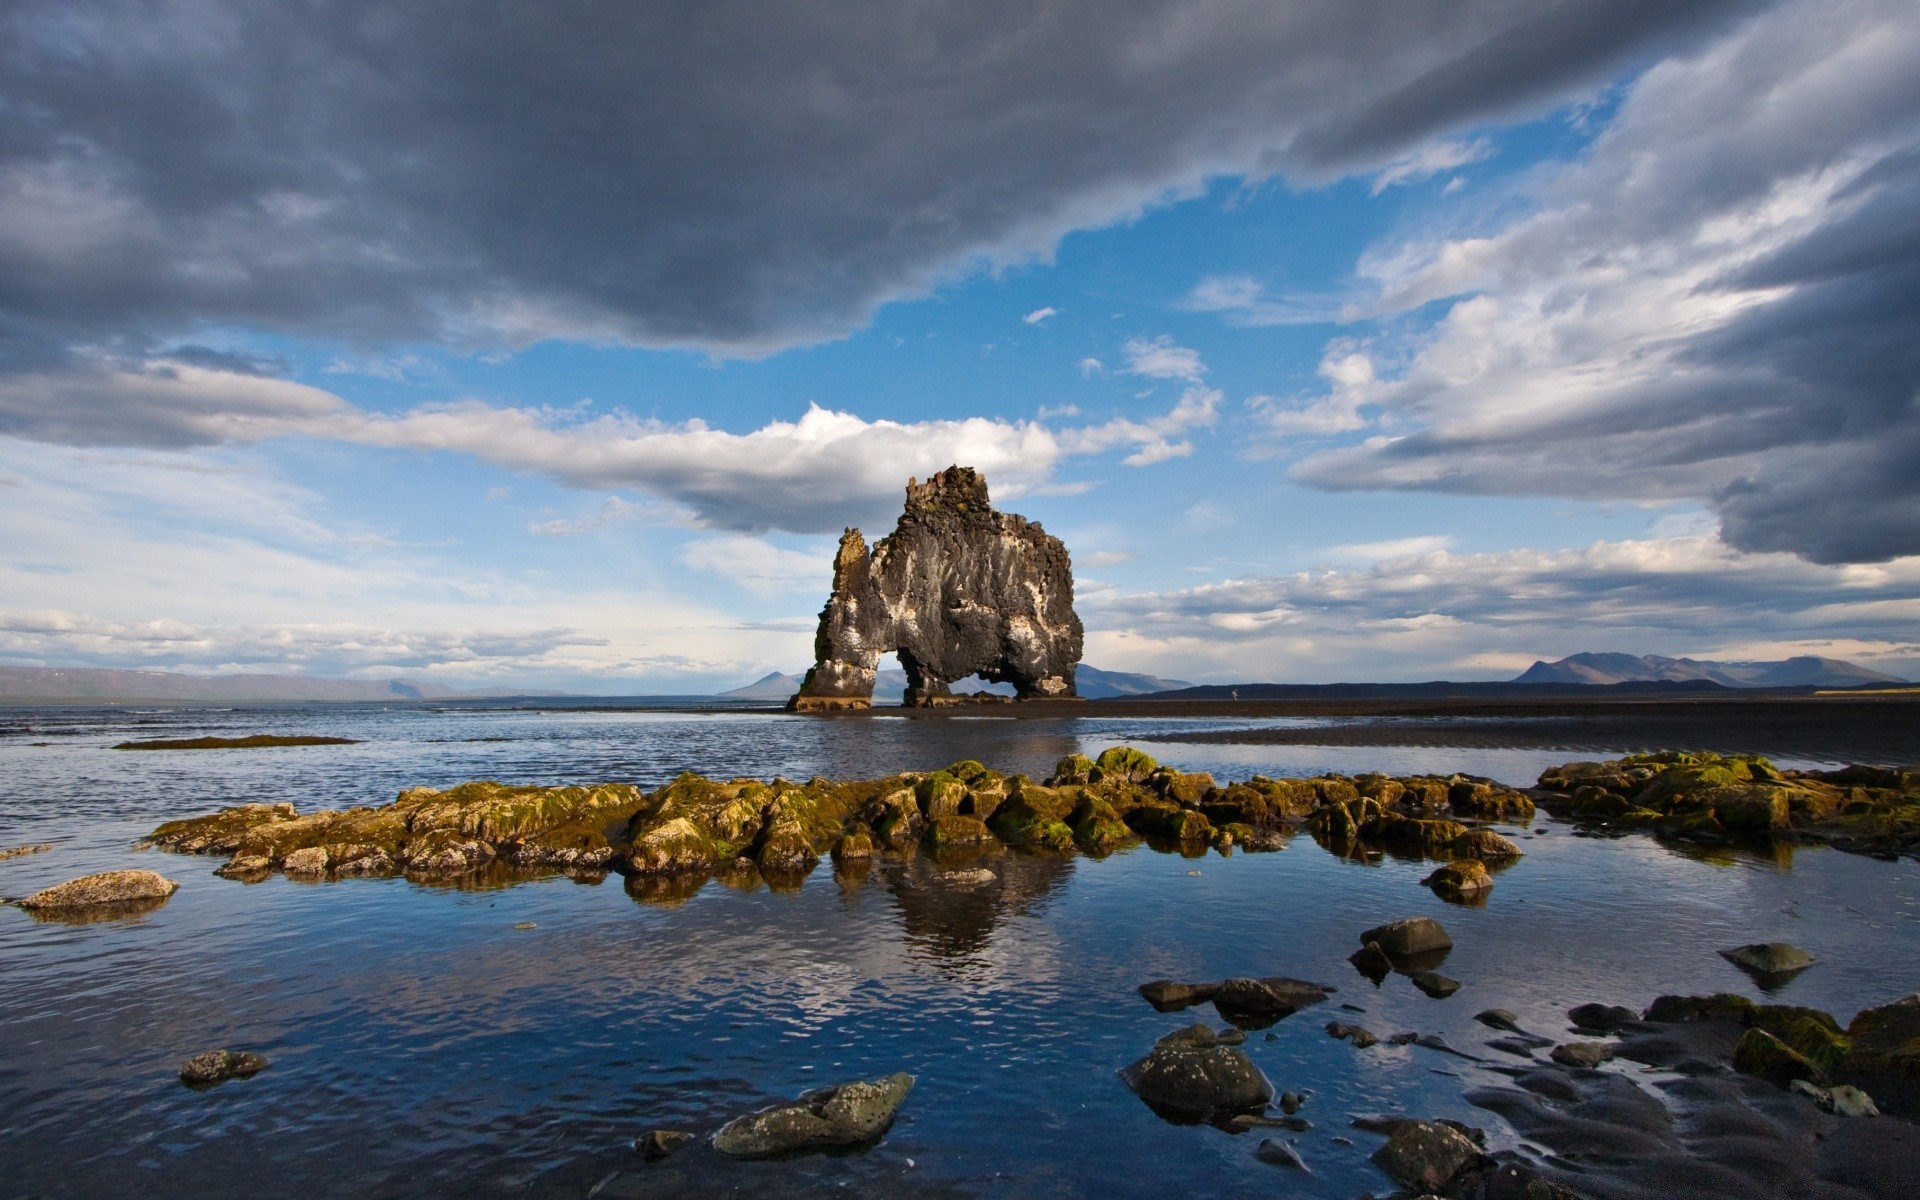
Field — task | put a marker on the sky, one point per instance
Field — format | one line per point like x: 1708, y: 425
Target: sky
x: 552, y: 346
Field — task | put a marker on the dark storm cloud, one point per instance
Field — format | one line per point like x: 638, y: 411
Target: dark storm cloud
x: 733, y: 176
x: 1719, y: 302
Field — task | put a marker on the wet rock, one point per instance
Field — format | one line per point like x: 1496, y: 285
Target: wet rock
x: 1168, y: 996
x: 1585, y: 1055
x: 957, y: 589
x: 217, y: 1066
x: 1519, y: 1047
x: 1409, y: 1038
x: 1842, y: 1101
x: 1291, y: 1102
x: 1434, y: 984
x: 1465, y: 881
x: 1769, y: 963
x: 847, y: 1114
x: 1275, y: 1152
x: 1370, y: 960
x: 1409, y: 937
x: 1762, y: 1054
x: 1499, y: 1018
x: 1601, y: 1018
x: 1246, y: 1001
x: 108, y: 889
x: 1194, y: 1074
x: 1426, y: 1155
x: 23, y: 851
x: 656, y: 1144
x: 1360, y: 1037
x: 1884, y: 1057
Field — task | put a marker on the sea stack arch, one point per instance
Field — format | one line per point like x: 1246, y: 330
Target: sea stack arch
x: 957, y: 589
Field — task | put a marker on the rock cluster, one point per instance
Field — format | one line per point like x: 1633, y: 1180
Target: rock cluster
x: 957, y: 589
x: 1710, y: 797
x: 694, y: 826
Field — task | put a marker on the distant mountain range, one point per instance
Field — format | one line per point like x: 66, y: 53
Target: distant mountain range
x: 87, y: 683
x: 1091, y: 682
x: 1802, y: 671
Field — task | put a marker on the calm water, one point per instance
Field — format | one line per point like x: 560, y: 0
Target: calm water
x: 422, y: 1046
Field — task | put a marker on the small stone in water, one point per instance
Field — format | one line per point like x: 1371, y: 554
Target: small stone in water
x: 525, y: 925
x: 656, y: 1144
x: 1279, y: 1154
x: 1433, y: 984
x: 1587, y: 1055
x: 216, y: 1066
x: 1290, y: 1102
x: 1499, y: 1018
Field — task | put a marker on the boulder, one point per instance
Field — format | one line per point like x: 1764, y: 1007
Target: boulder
x: 1409, y: 937
x: 847, y: 1114
x: 1266, y: 1000
x: 1885, y: 1054
x: 107, y: 889
x: 1193, y: 1073
x: 1275, y: 1152
x: 1761, y: 1053
x: 1601, y: 1018
x: 1370, y: 960
x: 1424, y: 1156
x: 218, y: 1066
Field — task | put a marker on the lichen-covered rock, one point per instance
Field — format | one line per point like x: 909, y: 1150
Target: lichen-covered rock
x: 848, y: 1114
x: 1265, y: 999
x: 957, y: 589
x: 1485, y: 845
x: 217, y: 1066
x: 108, y: 889
x: 1194, y: 1072
x: 218, y: 833
x: 1761, y: 1053
x: 1423, y: 1156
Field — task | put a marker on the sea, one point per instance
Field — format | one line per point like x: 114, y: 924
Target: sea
x: 513, y: 1037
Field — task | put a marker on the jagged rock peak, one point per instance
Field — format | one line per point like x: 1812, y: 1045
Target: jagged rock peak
x: 956, y: 589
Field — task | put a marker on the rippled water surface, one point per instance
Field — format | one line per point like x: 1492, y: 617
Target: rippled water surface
x: 422, y: 1045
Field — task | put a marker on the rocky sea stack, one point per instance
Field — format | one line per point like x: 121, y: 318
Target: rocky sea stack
x: 956, y: 589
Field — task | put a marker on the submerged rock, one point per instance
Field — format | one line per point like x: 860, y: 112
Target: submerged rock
x: 1359, y: 1036
x: 1168, y: 996
x: 1370, y: 960
x: 1193, y: 1073
x: 1246, y: 1001
x: 1770, y: 963
x: 1426, y: 1155
x: 217, y: 1066
x: 1434, y: 984
x: 848, y: 1114
x: 1277, y: 1153
x: 656, y: 1144
x: 109, y: 889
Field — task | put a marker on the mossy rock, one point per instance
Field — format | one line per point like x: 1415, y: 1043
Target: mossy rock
x: 854, y: 846
x: 1074, y: 768
x: 1395, y: 829
x: 1488, y: 801
x: 1333, y: 789
x: 1761, y: 1054
x: 1466, y: 879
x: 941, y: 795
x: 949, y: 832
x: 675, y: 847
x: 1719, y: 1006
x: 1036, y: 816
x: 220, y: 832
x: 1757, y: 809
x: 1125, y: 764
x: 1335, y: 823
x: 1485, y: 845
x: 1884, y: 1056
x: 1183, y: 788
x: 1096, y: 825
x: 1171, y: 822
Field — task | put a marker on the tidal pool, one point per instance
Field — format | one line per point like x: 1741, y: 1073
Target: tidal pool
x: 424, y: 1042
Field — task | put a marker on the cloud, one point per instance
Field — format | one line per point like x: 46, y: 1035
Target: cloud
x: 1430, y: 160
x: 1040, y: 314
x: 1091, y: 366
x: 79, y: 639
x: 1241, y: 300
x: 1424, y: 612
x: 719, y: 176
x: 612, y: 510
x: 1396, y: 548
x: 1714, y: 303
x: 759, y: 566
x: 1158, y: 439
x: 1107, y: 558
x: 1159, y: 358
